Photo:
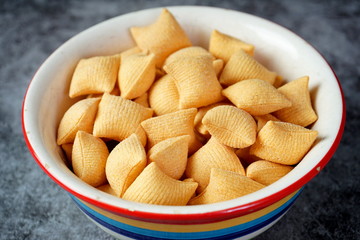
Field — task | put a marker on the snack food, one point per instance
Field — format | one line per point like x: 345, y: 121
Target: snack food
x: 162, y: 37
x: 125, y: 162
x: 181, y: 116
x: 94, y: 75
x: 266, y: 172
x: 171, y: 155
x: 225, y: 185
x: 79, y: 117
x: 153, y: 186
x: 223, y: 45
x: 241, y: 66
x: 282, y: 142
x: 89, y: 157
x: 136, y: 75
x: 232, y: 126
x: 256, y: 96
x: 301, y: 111
x: 117, y: 118
x: 212, y: 155
x: 193, y: 76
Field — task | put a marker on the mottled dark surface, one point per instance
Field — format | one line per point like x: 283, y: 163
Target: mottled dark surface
x: 32, y: 206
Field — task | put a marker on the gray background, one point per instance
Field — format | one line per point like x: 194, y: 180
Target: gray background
x: 32, y: 206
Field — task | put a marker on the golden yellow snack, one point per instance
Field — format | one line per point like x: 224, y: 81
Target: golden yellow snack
x: 162, y: 37
x: 218, y: 65
x: 266, y: 172
x: 115, y: 91
x: 143, y: 100
x: 153, y: 186
x: 125, y: 162
x: 283, y: 143
x: 140, y: 132
x: 164, y: 96
x: 118, y: 118
x: 223, y: 46
x: 212, y: 155
x: 79, y: 116
x: 171, y: 155
x: 225, y: 185
x: 129, y: 52
x: 136, y: 75
x: 256, y: 96
x: 231, y: 126
x: 263, y: 119
x: 172, y: 125
x: 199, y: 126
x: 94, y: 75
x: 67, y: 148
x: 195, y: 76
x: 107, y: 188
x: 301, y: 111
x: 241, y: 66
x: 89, y: 157
x: 192, y: 51
x: 190, y: 180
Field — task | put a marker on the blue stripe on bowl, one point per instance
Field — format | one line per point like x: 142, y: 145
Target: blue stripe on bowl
x: 226, y: 233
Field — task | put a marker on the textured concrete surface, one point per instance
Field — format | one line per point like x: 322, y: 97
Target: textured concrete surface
x: 32, y: 206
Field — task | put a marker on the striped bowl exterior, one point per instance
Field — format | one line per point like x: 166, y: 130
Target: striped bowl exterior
x: 242, y: 227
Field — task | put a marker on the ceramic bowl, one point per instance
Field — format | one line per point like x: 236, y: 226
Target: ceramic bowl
x: 276, y: 47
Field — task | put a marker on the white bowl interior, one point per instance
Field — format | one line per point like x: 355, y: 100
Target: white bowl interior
x: 276, y: 47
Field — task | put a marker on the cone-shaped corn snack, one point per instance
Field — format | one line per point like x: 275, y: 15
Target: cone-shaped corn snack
x: 231, y: 126
x: 212, y: 155
x: 140, y: 132
x: 136, y: 75
x: 199, y: 126
x: 118, y: 118
x: 125, y: 163
x: 266, y: 172
x: 218, y: 66
x: 115, y: 91
x: 164, y: 96
x: 67, y: 148
x: 225, y: 185
x: 301, y: 111
x: 162, y: 38
x: 79, y: 116
x: 195, y: 76
x: 89, y: 157
x: 192, y: 51
x: 171, y: 155
x: 129, y: 52
x: 94, y: 75
x: 223, y: 45
x: 241, y: 66
x: 172, y: 125
x: 153, y: 186
x: 107, y: 188
x: 283, y: 143
x: 256, y: 96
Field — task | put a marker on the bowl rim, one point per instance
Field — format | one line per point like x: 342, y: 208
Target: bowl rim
x: 199, y: 217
